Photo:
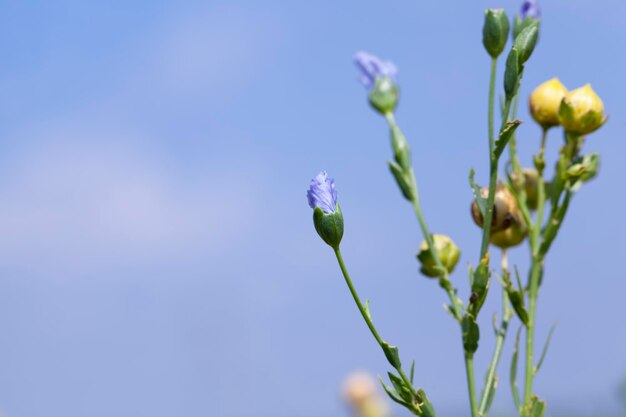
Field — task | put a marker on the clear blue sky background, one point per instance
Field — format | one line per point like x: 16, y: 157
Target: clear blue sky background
x: 157, y: 255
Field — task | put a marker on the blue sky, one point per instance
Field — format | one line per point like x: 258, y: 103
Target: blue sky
x: 157, y: 254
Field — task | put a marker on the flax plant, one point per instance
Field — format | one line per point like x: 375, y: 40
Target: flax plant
x: 522, y: 206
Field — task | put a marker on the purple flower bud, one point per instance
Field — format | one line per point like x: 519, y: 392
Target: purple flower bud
x: 372, y: 67
x: 531, y: 9
x: 322, y: 193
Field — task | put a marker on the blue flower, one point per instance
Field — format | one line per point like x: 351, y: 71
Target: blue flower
x: 372, y: 68
x: 531, y: 9
x: 322, y: 193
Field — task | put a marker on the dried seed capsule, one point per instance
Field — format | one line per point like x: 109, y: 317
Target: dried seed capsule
x: 512, y: 236
x: 504, y: 209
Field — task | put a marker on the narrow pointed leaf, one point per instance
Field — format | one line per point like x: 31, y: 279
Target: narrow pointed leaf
x: 367, y: 309
x: 401, y: 389
x: 426, y: 406
x: 505, y: 136
x: 392, y: 395
x: 412, y: 370
x: 491, y: 395
x: 392, y: 354
x: 401, y: 180
x: 480, y: 200
x: 513, y: 371
x: 545, y: 348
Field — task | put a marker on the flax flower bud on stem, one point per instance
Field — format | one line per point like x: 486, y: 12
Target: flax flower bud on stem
x: 378, y: 77
x: 545, y: 101
x: 447, y: 251
x: 582, y: 111
x: 529, y: 13
x: 327, y: 217
x: 495, y: 31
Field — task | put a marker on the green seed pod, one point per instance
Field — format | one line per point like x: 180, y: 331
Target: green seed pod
x: 495, y: 31
x: 447, y: 251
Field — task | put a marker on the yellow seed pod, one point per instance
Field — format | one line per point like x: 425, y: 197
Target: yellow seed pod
x: 447, y: 251
x: 512, y: 236
x: 504, y: 208
x: 545, y: 101
x: 582, y: 111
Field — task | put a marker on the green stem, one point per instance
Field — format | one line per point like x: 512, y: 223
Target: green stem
x: 471, y: 386
x: 500, y: 336
x: 535, y: 272
x: 535, y: 275
x: 492, y: 99
x: 415, y: 202
x: 469, y: 363
x: 493, y: 163
x: 541, y: 188
x: 357, y: 300
x: 364, y: 313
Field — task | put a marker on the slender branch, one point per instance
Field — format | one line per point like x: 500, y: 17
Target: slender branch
x: 365, y: 314
x: 500, y: 337
x: 471, y: 385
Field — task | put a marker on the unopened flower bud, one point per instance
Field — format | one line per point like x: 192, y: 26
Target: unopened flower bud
x: 529, y: 13
x: 526, y: 40
x: 512, y: 236
x: 378, y: 77
x: 327, y: 217
x: 504, y: 208
x: 545, y: 101
x: 447, y: 252
x: 495, y: 31
x: 582, y: 111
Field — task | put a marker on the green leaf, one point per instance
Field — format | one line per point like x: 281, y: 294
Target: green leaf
x: 392, y: 395
x: 448, y: 308
x: 480, y: 285
x: 491, y: 394
x: 400, y: 146
x: 517, y: 300
x: 367, y: 309
x: 471, y: 334
x: 391, y: 352
x: 505, y: 136
x: 537, y: 407
x: 512, y: 74
x: 513, y: 371
x: 480, y: 200
x: 526, y: 40
x: 401, y: 389
x: 412, y: 374
x: 401, y: 180
x: 545, y: 349
x: 426, y: 406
